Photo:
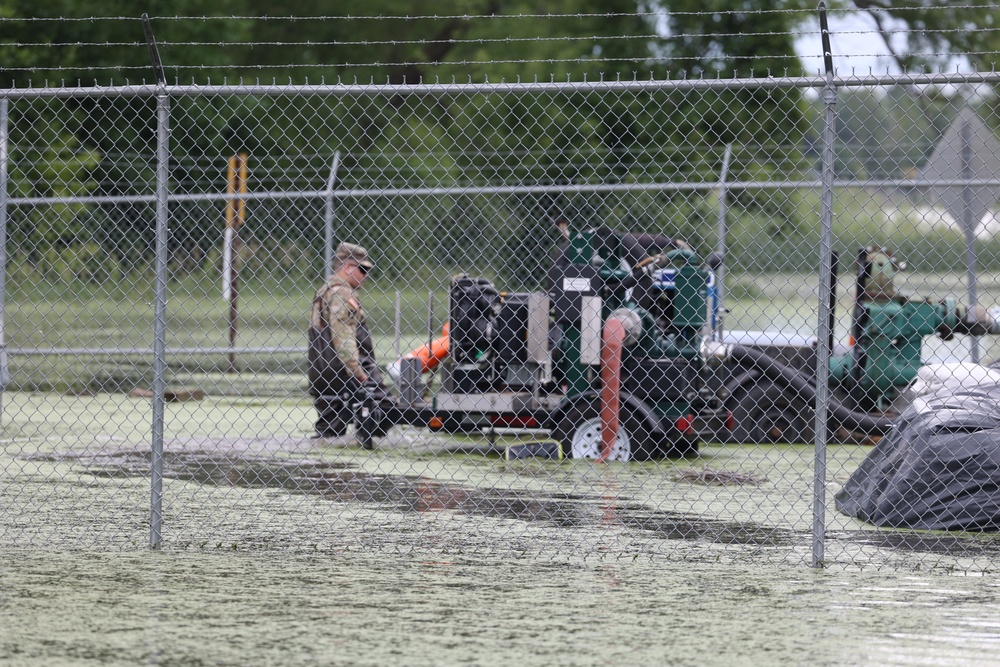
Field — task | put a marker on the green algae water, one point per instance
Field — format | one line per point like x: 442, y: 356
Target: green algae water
x: 428, y: 551
x: 89, y: 608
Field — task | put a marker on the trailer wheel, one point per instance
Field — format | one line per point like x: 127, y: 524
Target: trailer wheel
x: 585, y: 442
x: 768, y: 413
x: 579, y: 431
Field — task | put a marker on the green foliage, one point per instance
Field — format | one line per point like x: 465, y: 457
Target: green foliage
x: 110, y: 45
x: 104, y: 145
x: 49, y: 161
x: 85, y: 263
x: 889, y: 133
x: 411, y: 44
x: 937, y: 29
x: 745, y: 39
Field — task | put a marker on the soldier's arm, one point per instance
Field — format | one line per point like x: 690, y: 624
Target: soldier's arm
x: 343, y: 333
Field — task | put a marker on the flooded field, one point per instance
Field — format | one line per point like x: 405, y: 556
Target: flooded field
x: 434, y: 549
x: 237, y: 608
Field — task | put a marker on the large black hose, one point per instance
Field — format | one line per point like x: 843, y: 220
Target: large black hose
x: 855, y: 421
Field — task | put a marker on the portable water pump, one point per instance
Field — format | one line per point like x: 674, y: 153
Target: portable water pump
x: 614, y: 361
x: 888, y: 329
x: 549, y: 349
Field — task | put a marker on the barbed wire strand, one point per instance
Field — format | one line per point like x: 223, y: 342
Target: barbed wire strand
x: 452, y: 17
x: 487, y: 40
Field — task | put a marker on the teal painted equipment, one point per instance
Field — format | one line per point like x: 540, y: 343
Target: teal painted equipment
x: 888, y: 330
x: 497, y: 372
x: 534, y: 360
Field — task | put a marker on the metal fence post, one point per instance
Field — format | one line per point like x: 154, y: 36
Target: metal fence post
x: 720, y: 271
x: 825, y: 289
x: 160, y: 297
x: 331, y: 183
x: 4, y: 369
x: 969, y: 224
x: 159, y: 318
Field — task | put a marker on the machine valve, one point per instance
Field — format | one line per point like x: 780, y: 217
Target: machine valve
x: 975, y: 321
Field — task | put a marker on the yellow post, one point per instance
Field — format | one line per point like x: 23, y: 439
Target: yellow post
x: 236, y: 187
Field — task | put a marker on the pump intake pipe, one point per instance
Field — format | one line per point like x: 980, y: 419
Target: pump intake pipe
x: 975, y: 321
x: 430, y: 355
x: 799, y: 382
x: 622, y: 328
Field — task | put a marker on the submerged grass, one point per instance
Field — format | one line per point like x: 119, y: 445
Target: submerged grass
x: 435, y: 550
x: 334, y: 608
x: 241, y: 473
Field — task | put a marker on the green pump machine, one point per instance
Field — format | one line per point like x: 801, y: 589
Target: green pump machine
x: 888, y: 329
x: 621, y: 357
x: 608, y: 361
x: 770, y: 384
x: 630, y: 313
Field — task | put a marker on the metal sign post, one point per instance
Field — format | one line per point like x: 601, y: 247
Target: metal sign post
x: 328, y: 216
x: 236, y: 189
x: 969, y: 151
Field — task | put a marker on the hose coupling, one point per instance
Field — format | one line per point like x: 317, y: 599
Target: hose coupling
x: 714, y: 353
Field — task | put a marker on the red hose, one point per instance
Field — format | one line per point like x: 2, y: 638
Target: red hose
x: 612, y: 341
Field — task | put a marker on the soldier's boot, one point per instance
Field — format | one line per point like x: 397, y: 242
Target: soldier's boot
x: 334, y: 416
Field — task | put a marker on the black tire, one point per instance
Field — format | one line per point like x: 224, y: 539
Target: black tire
x: 579, y: 426
x: 769, y: 414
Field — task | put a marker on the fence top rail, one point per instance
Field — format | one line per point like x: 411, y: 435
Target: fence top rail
x: 486, y: 190
x: 439, y: 191
x: 341, y: 89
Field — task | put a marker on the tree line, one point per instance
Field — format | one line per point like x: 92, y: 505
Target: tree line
x: 104, y: 145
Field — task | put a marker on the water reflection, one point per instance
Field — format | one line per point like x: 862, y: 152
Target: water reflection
x: 968, y: 629
x: 606, y: 507
x: 343, y: 483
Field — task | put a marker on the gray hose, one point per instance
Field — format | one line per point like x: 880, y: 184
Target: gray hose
x: 779, y: 372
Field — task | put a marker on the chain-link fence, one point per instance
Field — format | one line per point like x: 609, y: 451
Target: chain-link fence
x: 578, y: 316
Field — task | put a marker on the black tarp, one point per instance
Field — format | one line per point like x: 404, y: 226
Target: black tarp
x: 937, y: 469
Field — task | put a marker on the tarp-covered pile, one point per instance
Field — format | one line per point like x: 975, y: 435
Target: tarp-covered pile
x: 939, y: 467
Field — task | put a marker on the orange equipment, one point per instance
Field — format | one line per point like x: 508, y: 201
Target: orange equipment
x: 613, y: 338
x: 430, y: 355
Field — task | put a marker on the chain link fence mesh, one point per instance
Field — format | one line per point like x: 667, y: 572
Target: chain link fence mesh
x: 624, y: 277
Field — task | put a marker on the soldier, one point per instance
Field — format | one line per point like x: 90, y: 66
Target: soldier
x: 341, y: 356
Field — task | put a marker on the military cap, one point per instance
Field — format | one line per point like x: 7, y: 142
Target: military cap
x: 355, y: 253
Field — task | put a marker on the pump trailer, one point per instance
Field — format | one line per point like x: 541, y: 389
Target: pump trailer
x: 621, y: 357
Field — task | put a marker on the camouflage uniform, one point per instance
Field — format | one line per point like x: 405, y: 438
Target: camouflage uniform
x: 341, y: 355
x: 336, y: 308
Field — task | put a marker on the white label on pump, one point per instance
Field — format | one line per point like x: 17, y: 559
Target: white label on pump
x: 576, y: 284
x: 590, y: 330
x: 665, y: 278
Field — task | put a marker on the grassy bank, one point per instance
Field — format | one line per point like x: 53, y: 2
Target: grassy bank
x: 770, y: 283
